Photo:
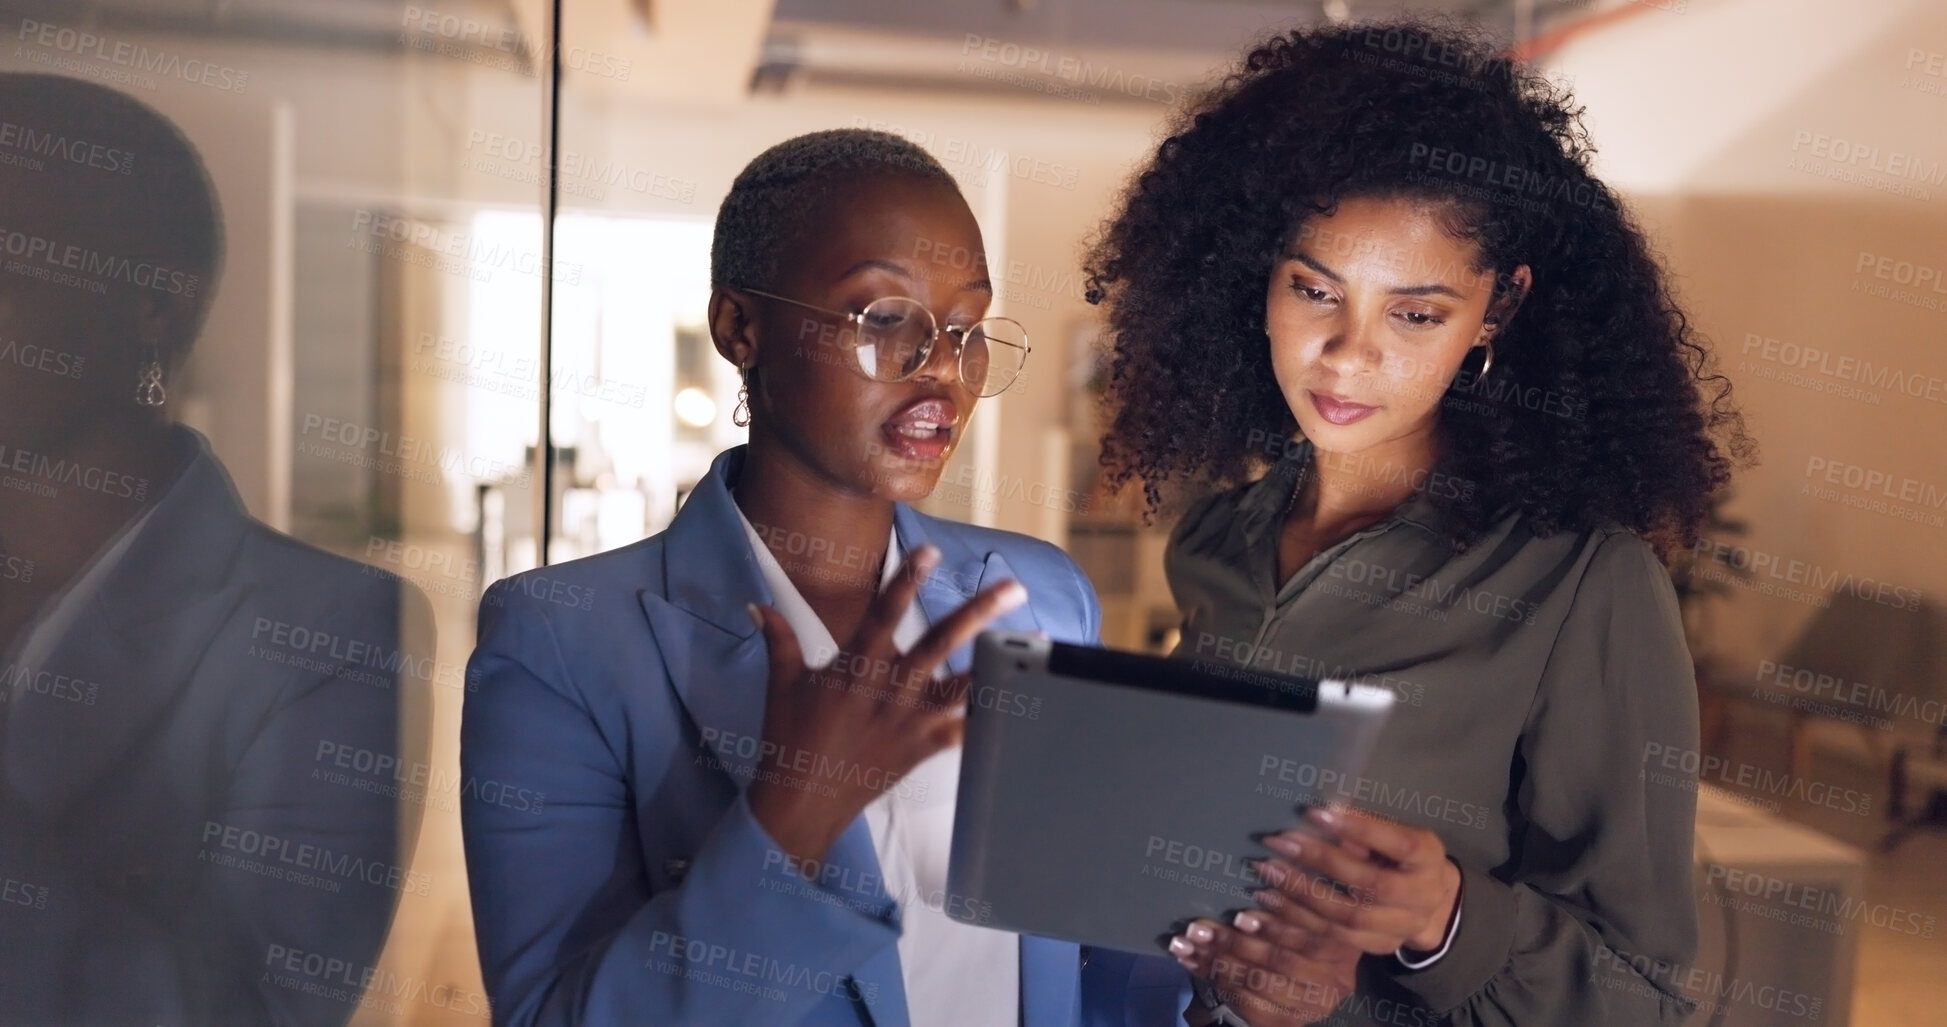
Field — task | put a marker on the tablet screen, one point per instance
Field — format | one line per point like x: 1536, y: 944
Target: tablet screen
x: 1105, y: 797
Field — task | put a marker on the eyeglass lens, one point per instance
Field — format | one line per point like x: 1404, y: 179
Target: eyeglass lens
x: 893, y: 336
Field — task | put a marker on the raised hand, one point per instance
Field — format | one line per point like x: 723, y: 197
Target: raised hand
x: 835, y: 739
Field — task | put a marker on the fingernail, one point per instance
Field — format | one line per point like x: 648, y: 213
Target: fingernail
x: 1247, y: 922
x: 1201, y: 933
x: 1272, y: 872
x: 755, y: 617
x: 1283, y: 845
x: 927, y: 558
x: 1179, y: 947
x: 1011, y: 595
x: 1325, y: 816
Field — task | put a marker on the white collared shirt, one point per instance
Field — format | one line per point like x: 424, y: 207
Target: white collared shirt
x: 956, y: 975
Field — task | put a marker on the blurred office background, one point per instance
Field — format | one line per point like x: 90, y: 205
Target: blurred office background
x: 379, y: 381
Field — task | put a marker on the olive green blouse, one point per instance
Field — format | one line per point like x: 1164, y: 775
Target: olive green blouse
x: 1542, y: 685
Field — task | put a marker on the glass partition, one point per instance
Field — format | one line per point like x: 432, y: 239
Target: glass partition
x: 292, y: 291
x: 319, y: 317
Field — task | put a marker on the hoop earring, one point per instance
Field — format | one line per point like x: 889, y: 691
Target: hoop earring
x: 741, y: 416
x: 1487, y: 362
x: 148, y: 386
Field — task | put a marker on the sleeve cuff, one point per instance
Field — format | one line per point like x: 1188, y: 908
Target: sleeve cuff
x: 1473, y: 954
x: 1453, y: 928
x: 838, y: 883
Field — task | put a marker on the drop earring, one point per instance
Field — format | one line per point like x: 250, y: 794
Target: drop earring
x: 741, y: 416
x: 148, y: 387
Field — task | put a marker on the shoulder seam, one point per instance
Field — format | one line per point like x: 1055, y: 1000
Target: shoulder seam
x: 1595, y: 551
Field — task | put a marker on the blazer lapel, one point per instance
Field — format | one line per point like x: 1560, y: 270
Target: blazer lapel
x: 124, y: 678
x: 713, y: 655
x: 716, y: 663
x: 134, y: 648
x: 963, y: 571
x: 719, y: 676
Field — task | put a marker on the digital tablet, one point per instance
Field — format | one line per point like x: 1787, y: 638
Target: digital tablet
x: 1106, y: 797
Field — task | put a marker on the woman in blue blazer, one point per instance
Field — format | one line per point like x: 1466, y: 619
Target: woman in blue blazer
x: 192, y: 704
x: 738, y: 819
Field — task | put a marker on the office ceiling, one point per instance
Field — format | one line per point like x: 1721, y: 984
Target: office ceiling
x: 1134, y: 24
x: 720, y: 50
x: 310, y: 23
x: 1202, y: 25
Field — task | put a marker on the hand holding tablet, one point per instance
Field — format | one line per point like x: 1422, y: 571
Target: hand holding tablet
x: 1109, y: 797
x: 1294, y: 956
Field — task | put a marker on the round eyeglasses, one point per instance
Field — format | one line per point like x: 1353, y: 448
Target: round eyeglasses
x: 892, y: 339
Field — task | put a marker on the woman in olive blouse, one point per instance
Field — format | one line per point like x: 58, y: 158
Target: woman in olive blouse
x: 1374, y: 261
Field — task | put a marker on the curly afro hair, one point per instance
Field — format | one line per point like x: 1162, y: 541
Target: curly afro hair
x: 1427, y: 111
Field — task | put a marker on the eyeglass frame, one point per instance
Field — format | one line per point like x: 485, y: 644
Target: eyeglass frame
x: 926, y: 356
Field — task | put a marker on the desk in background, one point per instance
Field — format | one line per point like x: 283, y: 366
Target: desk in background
x: 1779, y: 907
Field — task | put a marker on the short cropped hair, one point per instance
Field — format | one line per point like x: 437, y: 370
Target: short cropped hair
x: 784, y: 189
x: 148, y: 190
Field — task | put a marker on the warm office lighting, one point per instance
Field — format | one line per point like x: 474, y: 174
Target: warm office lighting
x: 695, y: 408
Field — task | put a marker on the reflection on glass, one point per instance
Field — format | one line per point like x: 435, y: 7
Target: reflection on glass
x: 367, y: 377
x: 203, y: 718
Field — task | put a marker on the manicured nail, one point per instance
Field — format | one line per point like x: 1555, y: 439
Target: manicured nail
x: 1325, y: 816
x: 1247, y: 922
x: 755, y: 617
x: 1179, y: 947
x: 927, y: 558
x: 1284, y: 845
x: 1010, y: 595
x: 1201, y: 933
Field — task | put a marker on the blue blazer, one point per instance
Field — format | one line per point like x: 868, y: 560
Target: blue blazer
x: 176, y: 833
x: 626, y: 691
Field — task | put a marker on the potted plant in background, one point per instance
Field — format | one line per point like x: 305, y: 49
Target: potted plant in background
x: 1703, y: 574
